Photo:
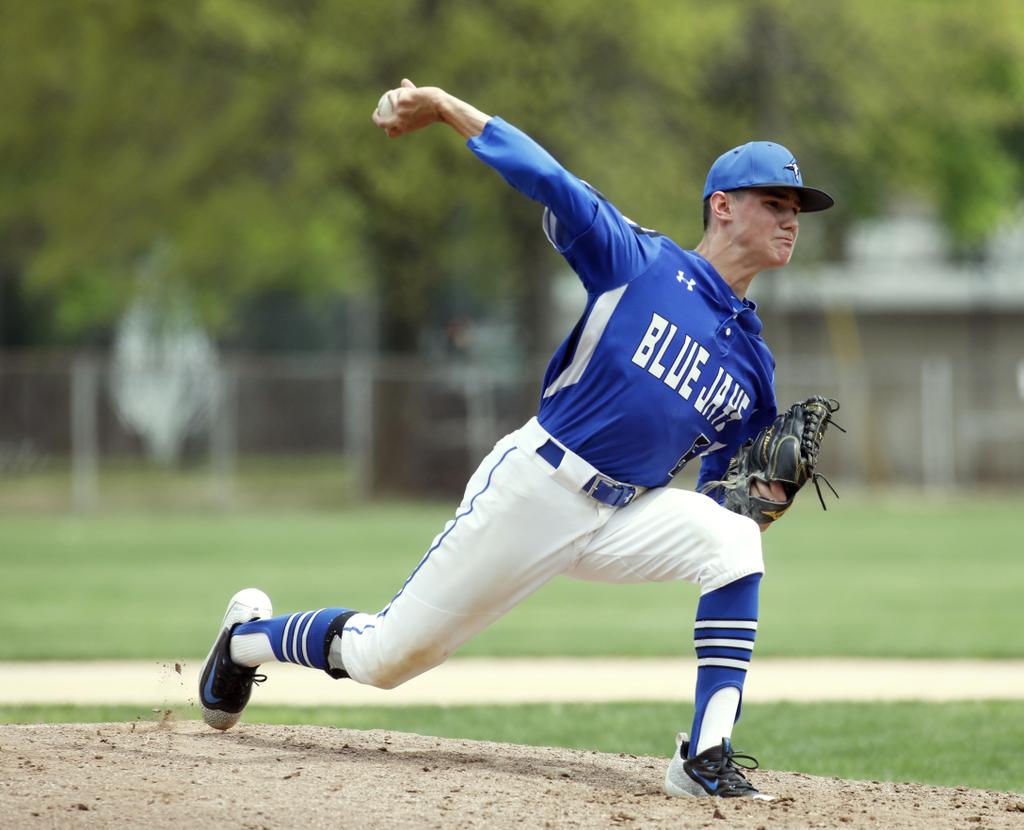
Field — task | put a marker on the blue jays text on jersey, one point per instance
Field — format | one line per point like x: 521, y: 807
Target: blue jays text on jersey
x: 666, y: 363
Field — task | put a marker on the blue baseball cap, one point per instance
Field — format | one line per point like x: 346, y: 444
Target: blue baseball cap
x: 763, y: 164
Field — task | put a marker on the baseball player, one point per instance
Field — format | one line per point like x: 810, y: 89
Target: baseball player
x: 665, y: 365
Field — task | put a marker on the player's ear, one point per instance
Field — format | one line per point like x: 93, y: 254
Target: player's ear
x: 721, y: 206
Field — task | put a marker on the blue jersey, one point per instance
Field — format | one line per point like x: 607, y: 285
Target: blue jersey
x: 666, y: 364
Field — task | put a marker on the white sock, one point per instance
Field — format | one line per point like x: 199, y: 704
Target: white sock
x: 334, y: 660
x: 719, y: 717
x: 251, y: 649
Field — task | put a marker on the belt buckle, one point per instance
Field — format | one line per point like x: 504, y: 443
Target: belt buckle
x: 595, y: 482
x: 627, y: 491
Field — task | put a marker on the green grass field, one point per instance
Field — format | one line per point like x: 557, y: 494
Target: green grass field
x: 944, y: 744
x: 867, y: 578
x: 272, y: 482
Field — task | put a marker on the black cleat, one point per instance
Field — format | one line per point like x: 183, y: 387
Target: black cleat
x: 225, y: 686
x: 713, y: 773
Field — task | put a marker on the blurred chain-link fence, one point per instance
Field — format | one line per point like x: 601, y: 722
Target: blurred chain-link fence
x: 314, y: 431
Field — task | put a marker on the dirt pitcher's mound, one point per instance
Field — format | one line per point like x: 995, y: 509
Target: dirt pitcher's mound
x: 184, y: 775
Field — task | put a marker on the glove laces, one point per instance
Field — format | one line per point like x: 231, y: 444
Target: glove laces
x: 817, y: 418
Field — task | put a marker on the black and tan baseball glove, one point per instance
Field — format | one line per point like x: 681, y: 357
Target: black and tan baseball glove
x: 785, y: 451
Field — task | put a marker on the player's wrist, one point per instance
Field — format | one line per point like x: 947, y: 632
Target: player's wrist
x: 444, y: 106
x: 464, y: 118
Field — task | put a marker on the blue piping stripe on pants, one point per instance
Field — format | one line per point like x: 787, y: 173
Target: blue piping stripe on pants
x: 437, y: 544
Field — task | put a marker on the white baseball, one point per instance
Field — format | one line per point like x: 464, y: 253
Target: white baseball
x: 384, y: 108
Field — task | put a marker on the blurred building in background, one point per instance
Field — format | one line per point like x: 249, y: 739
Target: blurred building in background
x: 926, y: 354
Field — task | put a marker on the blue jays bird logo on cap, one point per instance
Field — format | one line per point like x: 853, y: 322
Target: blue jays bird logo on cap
x: 795, y: 168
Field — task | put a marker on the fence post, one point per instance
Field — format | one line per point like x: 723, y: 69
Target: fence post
x: 938, y: 462
x: 480, y: 392
x: 224, y: 438
x: 357, y: 389
x: 84, y: 439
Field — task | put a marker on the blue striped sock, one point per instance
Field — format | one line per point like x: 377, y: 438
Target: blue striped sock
x: 296, y: 638
x: 724, y: 639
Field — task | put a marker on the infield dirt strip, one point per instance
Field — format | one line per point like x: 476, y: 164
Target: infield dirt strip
x: 178, y: 775
x: 475, y: 680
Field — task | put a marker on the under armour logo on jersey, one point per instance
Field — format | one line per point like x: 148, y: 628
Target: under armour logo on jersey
x: 681, y: 277
x: 795, y: 168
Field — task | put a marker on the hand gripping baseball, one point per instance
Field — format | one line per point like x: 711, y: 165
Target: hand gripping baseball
x: 411, y: 107
x: 783, y: 455
x: 408, y: 108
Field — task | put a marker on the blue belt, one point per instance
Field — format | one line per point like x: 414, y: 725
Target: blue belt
x: 605, y: 490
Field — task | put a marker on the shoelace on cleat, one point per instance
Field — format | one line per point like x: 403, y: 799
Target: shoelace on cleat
x: 728, y: 771
x: 233, y: 680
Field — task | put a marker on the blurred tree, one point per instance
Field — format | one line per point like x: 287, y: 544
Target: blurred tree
x: 235, y: 134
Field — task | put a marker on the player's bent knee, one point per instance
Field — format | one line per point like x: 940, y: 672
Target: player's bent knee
x: 746, y: 545
x: 738, y: 553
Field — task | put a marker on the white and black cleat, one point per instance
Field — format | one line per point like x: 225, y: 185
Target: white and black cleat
x: 225, y: 686
x: 712, y: 774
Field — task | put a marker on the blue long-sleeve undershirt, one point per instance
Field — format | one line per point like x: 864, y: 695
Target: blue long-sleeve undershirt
x: 604, y: 248
x: 534, y: 172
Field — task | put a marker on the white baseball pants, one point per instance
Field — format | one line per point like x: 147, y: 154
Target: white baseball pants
x: 521, y: 523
